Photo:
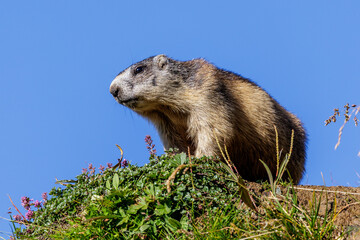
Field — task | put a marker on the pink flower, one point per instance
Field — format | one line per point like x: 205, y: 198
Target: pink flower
x: 17, y: 217
x: 90, y: 166
x: 109, y: 165
x: 29, y: 215
x: 25, y: 202
x: 37, y: 204
x: 125, y: 163
x: 44, y: 196
x: 101, y: 168
x: 150, y: 146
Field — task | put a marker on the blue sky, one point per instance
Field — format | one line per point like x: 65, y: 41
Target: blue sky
x: 58, y: 58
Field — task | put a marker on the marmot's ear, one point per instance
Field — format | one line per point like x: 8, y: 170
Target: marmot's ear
x: 161, y: 61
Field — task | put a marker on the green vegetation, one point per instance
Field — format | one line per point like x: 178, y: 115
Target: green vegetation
x: 171, y: 198
x: 174, y: 197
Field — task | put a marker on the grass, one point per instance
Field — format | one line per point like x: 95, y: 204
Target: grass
x: 174, y: 197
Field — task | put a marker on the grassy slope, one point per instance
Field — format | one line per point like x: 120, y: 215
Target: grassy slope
x: 201, y: 202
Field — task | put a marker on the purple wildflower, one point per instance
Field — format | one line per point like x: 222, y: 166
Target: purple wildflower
x: 125, y: 163
x: 44, y: 196
x: 37, y: 204
x: 150, y: 146
x: 101, y: 168
x: 17, y: 217
x: 29, y: 215
x: 25, y: 202
x: 91, y: 168
x: 109, y: 165
x: 84, y: 170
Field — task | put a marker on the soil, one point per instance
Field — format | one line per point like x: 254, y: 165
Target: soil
x: 343, y: 201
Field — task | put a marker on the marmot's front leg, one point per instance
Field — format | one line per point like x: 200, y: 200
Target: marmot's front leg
x: 203, y: 137
x: 205, y: 147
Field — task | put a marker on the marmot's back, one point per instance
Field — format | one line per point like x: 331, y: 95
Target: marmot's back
x: 191, y: 102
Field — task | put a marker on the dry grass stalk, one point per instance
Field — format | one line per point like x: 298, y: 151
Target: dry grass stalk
x: 332, y: 118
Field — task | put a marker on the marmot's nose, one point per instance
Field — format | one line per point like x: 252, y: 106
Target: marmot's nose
x: 114, y: 90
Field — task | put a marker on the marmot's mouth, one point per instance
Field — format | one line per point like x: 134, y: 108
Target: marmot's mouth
x: 128, y: 100
x: 131, y: 102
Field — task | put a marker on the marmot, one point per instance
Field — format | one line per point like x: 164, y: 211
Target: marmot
x: 191, y: 102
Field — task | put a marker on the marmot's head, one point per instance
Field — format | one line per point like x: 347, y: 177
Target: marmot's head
x: 147, y: 84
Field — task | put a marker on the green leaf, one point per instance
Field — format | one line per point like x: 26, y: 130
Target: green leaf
x: 176, y: 160
x: 244, y: 194
x: 184, y: 223
x: 150, y: 190
x: 157, y: 191
x: 162, y: 210
x: 183, y: 159
x: 108, y: 186
x: 154, y: 227
x: 144, y: 227
x: 122, y: 212
x: 124, y: 220
x: 116, y: 181
x: 271, y: 179
x: 283, y: 166
x: 133, y: 209
x: 173, y: 224
x: 141, y: 204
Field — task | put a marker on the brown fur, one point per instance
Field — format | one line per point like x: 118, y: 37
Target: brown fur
x: 190, y: 101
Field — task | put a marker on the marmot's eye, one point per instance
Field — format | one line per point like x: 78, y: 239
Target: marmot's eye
x: 139, y: 69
